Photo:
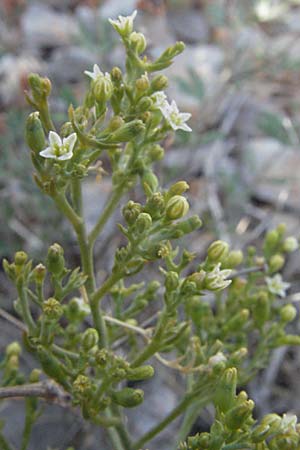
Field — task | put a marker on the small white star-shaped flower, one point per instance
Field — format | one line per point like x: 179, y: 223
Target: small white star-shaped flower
x: 124, y: 24
x: 175, y: 118
x: 159, y: 99
x: 277, y: 286
x: 96, y: 74
x: 59, y: 149
x: 217, y: 279
x: 288, y: 422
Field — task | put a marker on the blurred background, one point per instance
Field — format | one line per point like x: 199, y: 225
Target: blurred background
x: 239, y: 77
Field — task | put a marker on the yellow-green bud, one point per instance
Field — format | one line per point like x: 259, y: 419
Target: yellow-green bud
x: 276, y: 262
x: 89, y: 339
x: 143, y: 222
x: 149, y: 181
x: 116, y: 74
x: 172, y: 281
x: 52, y: 309
x: 140, y: 373
x: 290, y: 244
x: 217, y: 251
x: 271, y: 239
x: 226, y: 389
x: 131, y: 211
x: 138, y: 41
x: 35, y: 136
x: 39, y: 273
x: 288, y: 313
x: 288, y: 339
x: 128, y: 397
x: 13, y: 349
x: 128, y: 131
x: 20, y: 258
x: 9, y: 269
x: 260, y: 433
x: 35, y: 375
x: 159, y: 83
x: 234, y: 258
x: 102, y: 88
x: 271, y: 420
x: 55, y: 260
x: 155, y: 205
x: 13, y: 363
x: 115, y: 123
x: 178, y: 188
x: 177, y: 207
x: 237, y: 416
x: 102, y: 357
x: 40, y: 87
x: 82, y: 384
x: 144, y: 104
x: 142, y: 83
x: 156, y: 152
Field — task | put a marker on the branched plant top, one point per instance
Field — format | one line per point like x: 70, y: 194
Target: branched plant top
x: 207, y: 317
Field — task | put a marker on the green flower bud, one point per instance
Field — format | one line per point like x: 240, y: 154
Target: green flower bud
x: 226, y: 389
x: 102, y: 88
x: 35, y: 375
x: 159, y: 83
x: 290, y: 244
x: 128, y: 131
x: 128, y: 397
x: 116, y: 75
x: 288, y: 339
x: 288, y: 313
x: 198, y: 278
x: 52, y: 309
x: 13, y: 363
x: 260, y: 433
x: 20, y: 258
x: 143, y: 222
x: 131, y: 212
x: 102, y: 357
x: 234, y: 258
x: 115, y: 123
x: 39, y: 273
x: 276, y: 262
x: 217, y: 251
x: 13, y: 349
x: 34, y: 133
x: 155, y: 205
x: 55, y: 261
x: 271, y: 239
x: 40, y: 87
x: 140, y: 373
x: 156, y: 152
x: 9, y: 269
x: 89, y: 339
x: 118, y: 374
x: 273, y: 421
x: 178, y: 188
x: 238, y: 415
x: 138, y: 42
x: 171, y: 281
x: 149, y: 182
x: 144, y: 104
x: 177, y: 207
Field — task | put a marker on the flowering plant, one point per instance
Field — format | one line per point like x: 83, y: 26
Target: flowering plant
x: 210, y: 314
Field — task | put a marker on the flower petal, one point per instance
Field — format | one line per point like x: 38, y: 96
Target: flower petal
x: 54, y: 139
x: 65, y: 156
x: 47, y: 153
x: 70, y: 141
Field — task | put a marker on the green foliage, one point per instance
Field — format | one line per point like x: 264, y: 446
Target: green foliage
x: 210, y: 313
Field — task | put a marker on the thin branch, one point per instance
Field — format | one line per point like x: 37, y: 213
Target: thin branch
x: 48, y: 390
x: 11, y: 319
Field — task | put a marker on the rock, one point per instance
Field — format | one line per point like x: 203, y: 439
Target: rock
x: 43, y: 27
x: 188, y: 25
x: 113, y: 8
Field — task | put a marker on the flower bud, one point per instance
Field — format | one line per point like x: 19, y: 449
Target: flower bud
x: 288, y: 313
x: 155, y: 205
x: 288, y: 339
x: 102, y: 88
x: 138, y: 42
x: 237, y: 416
x: 128, y: 131
x: 82, y: 385
x: 290, y: 244
x: 34, y: 133
x: 55, y: 261
x: 144, y: 104
x: 13, y: 349
x: 226, y: 389
x: 234, y: 258
x: 39, y: 273
x: 140, y: 373
x: 217, y: 251
x: 171, y: 281
x: 156, y: 152
x: 115, y: 123
x: 102, y: 357
x: 271, y: 239
x: 276, y: 262
x: 40, y: 87
x: 20, y: 258
x: 116, y: 74
x: 149, y: 181
x: 178, y: 188
x: 128, y: 397
x: 273, y: 421
x: 89, y: 339
x: 143, y: 222
x: 142, y: 84
x: 177, y: 207
x: 35, y: 375
x: 131, y: 211
x: 159, y: 83
x: 52, y: 309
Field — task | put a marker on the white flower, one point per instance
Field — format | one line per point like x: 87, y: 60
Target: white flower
x: 59, y: 149
x: 277, y: 286
x: 83, y: 307
x: 96, y: 74
x: 175, y: 118
x: 216, y: 359
x: 160, y: 99
x: 288, y: 421
x: 217, y: 279
x: 124, y: 25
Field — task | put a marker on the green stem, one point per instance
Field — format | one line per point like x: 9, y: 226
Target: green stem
x: 29, y: 420
x: 4, y: 445
x: 76, y: 196
x: 107, y: 212
x: 177, y: 411
x: 27, y: 317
